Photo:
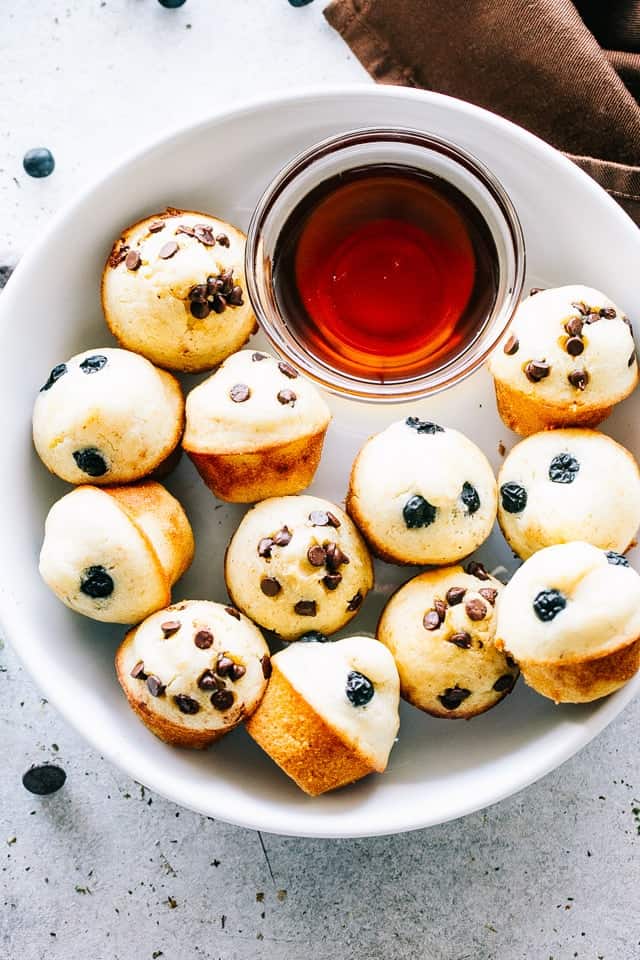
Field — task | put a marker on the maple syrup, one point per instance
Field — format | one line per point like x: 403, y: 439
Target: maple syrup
x: 385, y: 272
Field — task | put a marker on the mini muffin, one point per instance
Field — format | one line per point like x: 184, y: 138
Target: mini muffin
x: 296, y: 564
x: 568, y: 358
x: 173, y: 289
x: 563, y: 485
x: 440, y: 628
x: 255, y: 429
x: 193, y: 671
x: 330, y: 713
x: 107, y: 416
x: 570, y: 617
x: 421, y: 493
x: 114, y: 553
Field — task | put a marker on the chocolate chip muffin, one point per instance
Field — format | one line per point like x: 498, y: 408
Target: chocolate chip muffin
x: 570, y: 617
x: 114, y: 553
x: 255, y: 428
x: 193, y: 671
x: 422, y: 493
x: 173, y: 289
x: 568, y: 358
x: 563, y: 485
x: 296, y: 564
x: 330, y: 713
x: 440, y: 628
x: 107, y: 416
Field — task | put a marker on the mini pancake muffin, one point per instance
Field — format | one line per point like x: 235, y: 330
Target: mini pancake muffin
x: 570, y: 616
x: 173, y: 289
x: 193, y: 671
x: 568, y: 358
x: 107, y: 416
x: 330, y: 713
x: 422, y: 493
x: 255, y: 428
x: 114, y: 553
x: 440, y: 628
x: 563, y: 485
x: 296, y: 564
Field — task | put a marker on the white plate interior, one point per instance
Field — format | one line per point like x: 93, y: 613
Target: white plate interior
x: 51, y: 309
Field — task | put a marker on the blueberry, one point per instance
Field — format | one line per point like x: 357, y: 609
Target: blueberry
x: 470, y: 497
x: 563, y: 468
x: 313, y: 636
x: 38, y: 162
x: 616, y: 559
x: 43, y: 779
x: 359, y: 689
x: 94, y: 363
x: 423, y: 426
x: 418, y: 512
x: 548, y: 604
x: 514, y: 497
x: 90, y: 461
x: 96, y: 583
x: 55, y: 374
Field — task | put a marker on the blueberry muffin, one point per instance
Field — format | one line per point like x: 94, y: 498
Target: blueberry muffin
x: 107, y: 416
x: 173, y: 289
x: 440, y: 628
x: 330, y: 713
x: 570, y: 617
x: 296, y: 564
x: 114, y: 553
x: 563, y: 485
x: 255, y: 428
x: 567, y: 359
x: 422, y: 493
x: 193, y: 671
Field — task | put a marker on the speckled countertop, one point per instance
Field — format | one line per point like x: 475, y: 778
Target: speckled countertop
x: 104, y: 869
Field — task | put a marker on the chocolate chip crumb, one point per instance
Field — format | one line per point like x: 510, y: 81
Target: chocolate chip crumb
x: 168, y: 250
x: 203, y: 639
x: 266, y: 667
x: 462, y: 640
x: 186, y: 704
x: 454, y: 595
x: 511, y: 346
x: 476, y: 609
x: 155, y: 686
x: 270, y: 586
x: 537, y: 370
x: 306, y: 608
x: 222, y: 699
x: 133, y: 260
x: 355, y: 602
x: 239, y: 392
x: 287, y: 370
x: 287, y: 397
x: 169, y: 627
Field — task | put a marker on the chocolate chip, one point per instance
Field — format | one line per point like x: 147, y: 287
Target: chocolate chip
x: 355, y: 602
x: 203, y: 639
x: 504, y: 683
x: 454, y: 595
x: 581, y: 307
x: 90, y: 461
x: 313, y: 636
x: 267, y: 669
x: 418, y: 512
x: 578, y: 379
x: 169, y: 627
x: 133, y: 260
x: 237, y: 672
x: 264, y: 548
x: 57, y: 372
x: 453, y: 697
x: 548, y: 604
x: 137, y: 672
x: 219, y: 303
x: 440, y: 608
x: 470, y: 497
x: 200, y: 292
x: 489, y: 594
x: 207, y: 681
x: 235, y: 297
x: 573, y: 326
x: 334, y: 557
x: 575, y: 346
x: 359, y: 689
x: 186, y: 229
x: 224, y: 666
x: 43, y: 779
x: 239, y: 392
x: 462, y: 640
x: 333, y: 520
x: 270, y: 586
x: 477, y: 570
x: 476, y: 609
x: 94, y: 363
x: 257, y: 356
x: 306, y: 608
x: 537, y: 370
x: 513, y: 497
x: 200, y: 309
x: 96, y: 583
x: 510, y: 661
x: 186, y: 704
x: 156, y: 226
x: 631, y: 359
x: 616, y: 559
x: 222, y: 699
x: 316, y: 556
x: 322, y: 518
x: 535, y: 290
x: 232, y: 612
x: 563, y: 468
x: 204, y: 234
x: 423, y: 426
x: 287, y: 397
x: 118, y: 253
x: 592, y: 317
x: 168, y: 250
x: 283, y: 537
x: 287, y: 370
x: 608, y: 313
x: 223, y: 240
x: 431, y: 620
x: 155, y: 686
x: 332, y: 581
x: 512, y: 345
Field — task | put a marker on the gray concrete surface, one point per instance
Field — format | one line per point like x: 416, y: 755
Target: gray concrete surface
x: 105, y: 870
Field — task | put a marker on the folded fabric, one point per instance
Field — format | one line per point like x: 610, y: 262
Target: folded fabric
x: 569, y: 72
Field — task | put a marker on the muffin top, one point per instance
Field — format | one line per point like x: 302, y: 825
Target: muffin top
x: 173, y: 289
x: 422, y: 493
x: 440, y: 628
x: 296, y: 564
x: 563, y: 485
x: 353, y: 685
x: 252, y: 401
x: 568, y: 602
x: 107, y: 416
x: 199, y: 664
x: 568, y: 345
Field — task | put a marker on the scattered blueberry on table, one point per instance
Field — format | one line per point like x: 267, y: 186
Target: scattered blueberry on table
x: 43, y: 779
x: 38, y: 162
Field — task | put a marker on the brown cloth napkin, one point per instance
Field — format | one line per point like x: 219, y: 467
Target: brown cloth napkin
x: 569, y: 72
